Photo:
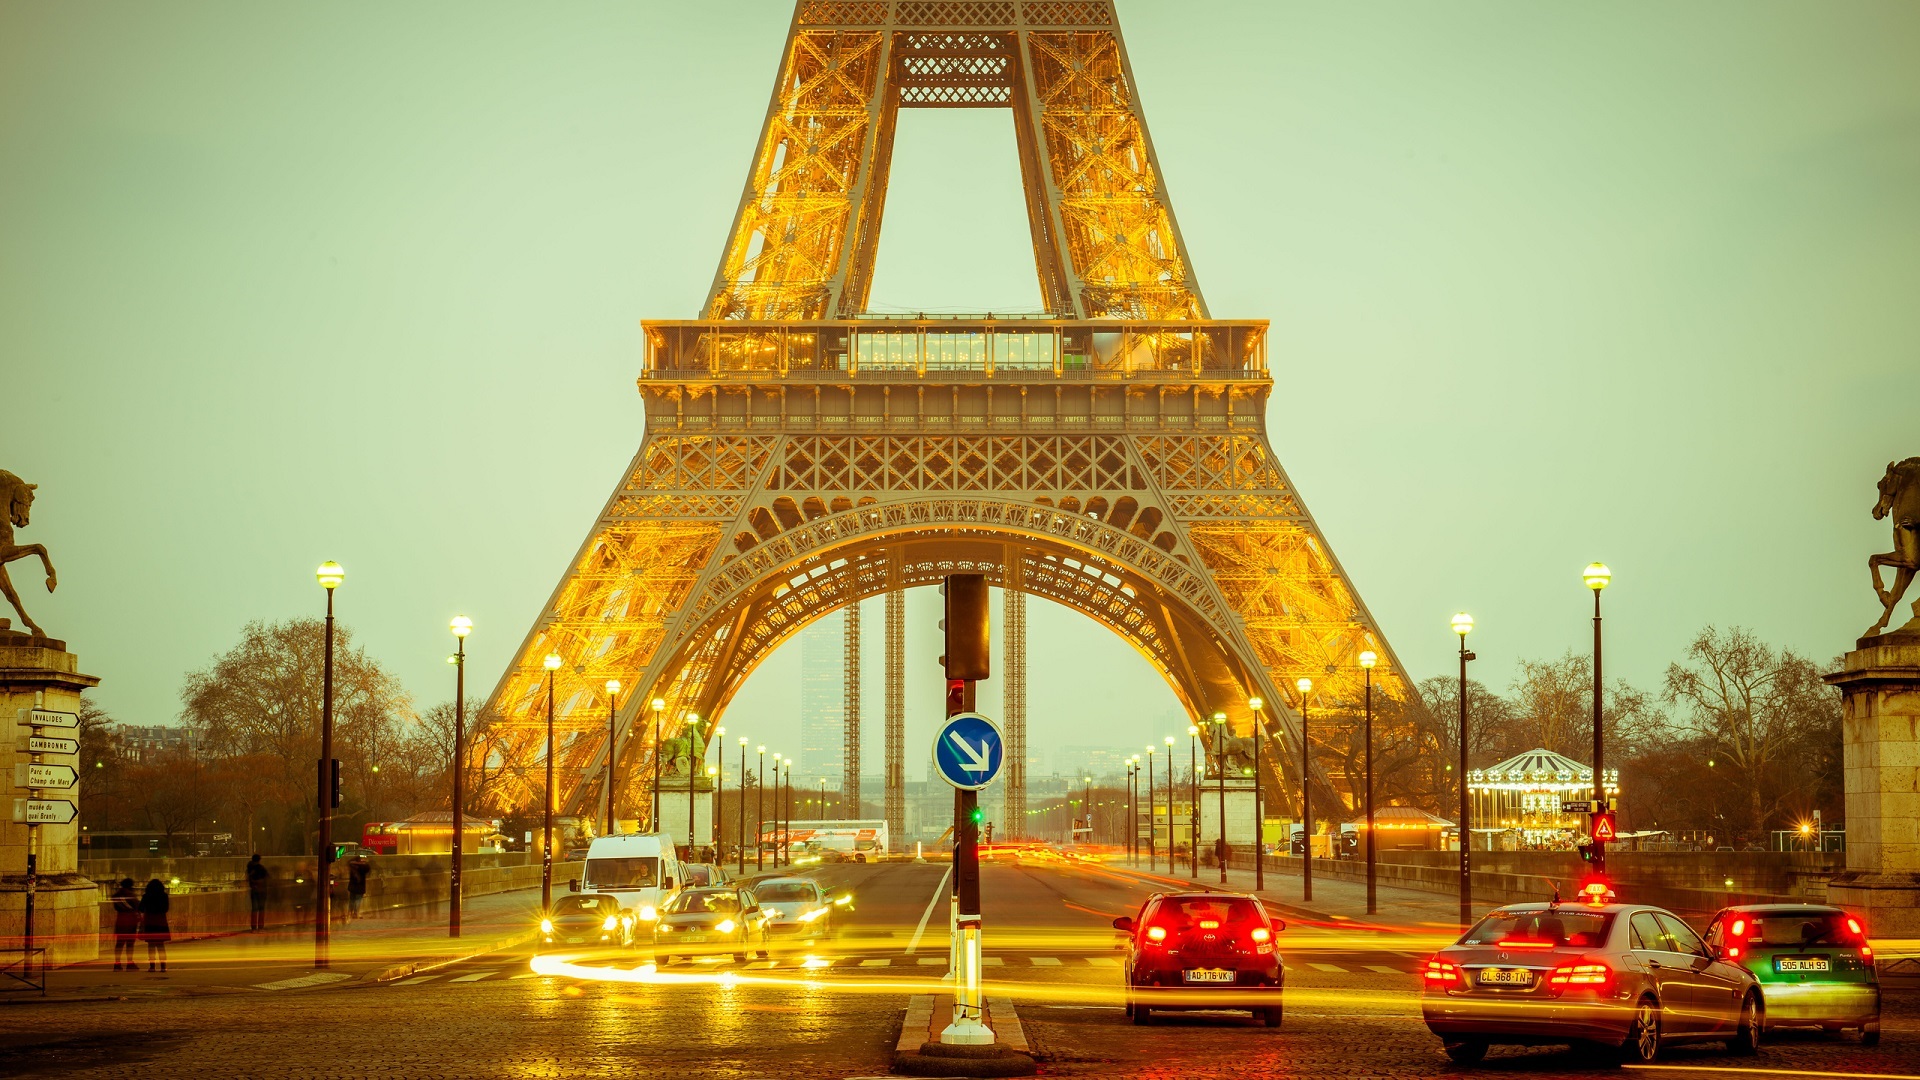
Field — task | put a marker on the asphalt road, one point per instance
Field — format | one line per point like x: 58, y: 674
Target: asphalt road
x: 1352, y: 1008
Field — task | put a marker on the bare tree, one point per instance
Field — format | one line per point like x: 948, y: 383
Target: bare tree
x: 1759, y: 712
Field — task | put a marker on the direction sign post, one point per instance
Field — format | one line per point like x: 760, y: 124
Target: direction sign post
x: 968, y: 751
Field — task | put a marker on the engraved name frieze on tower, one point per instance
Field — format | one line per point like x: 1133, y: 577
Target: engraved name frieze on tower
x: 801, y: 454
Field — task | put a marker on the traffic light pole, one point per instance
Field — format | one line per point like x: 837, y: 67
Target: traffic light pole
x: 966, y: 627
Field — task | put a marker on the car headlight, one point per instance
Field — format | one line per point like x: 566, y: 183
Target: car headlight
x: 814, y: 914
x: 725, y: 926
x: 546, y: 926
x: 626, y: 920
x: 647, y: 913
x: 771, y: 913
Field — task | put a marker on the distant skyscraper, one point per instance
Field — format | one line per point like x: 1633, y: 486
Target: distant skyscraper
x: 823, y: 699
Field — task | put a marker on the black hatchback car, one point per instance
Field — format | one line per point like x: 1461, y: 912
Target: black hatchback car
x: 1200, y: 951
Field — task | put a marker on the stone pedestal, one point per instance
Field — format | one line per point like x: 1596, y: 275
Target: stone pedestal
x: 673, y: 809
x: 39, y: 672
x: 1881, y: 681
x: 1240, y: 823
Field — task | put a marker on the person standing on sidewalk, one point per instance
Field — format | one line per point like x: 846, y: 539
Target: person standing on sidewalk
x: 256, y: 893
x: 153, y: 924
x: 126, y: 924
x: 358, y: 868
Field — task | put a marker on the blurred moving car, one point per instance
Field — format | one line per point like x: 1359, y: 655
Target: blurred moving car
x: 1813, y: 964
x: 587, y: 919
x: 1203, y: 951
x: 704, y: 922
x: 701, y: 875
x: 1626, y: 978
x: 796, y: 911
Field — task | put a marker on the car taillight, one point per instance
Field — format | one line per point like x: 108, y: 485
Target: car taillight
x: 1261, y: 935
x: 1209, y: 924
x: 1739, y: 928
x: 1866, y: 951
x: 1853, y: 925
x: 1156, y: 934
x: 1440, y: 972
x: 1586, y: 976
x: 1733, y: 952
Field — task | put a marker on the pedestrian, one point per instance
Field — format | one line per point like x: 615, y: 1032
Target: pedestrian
x: 706, y: 854
x: 358, y: 868
x: 126, y: 923
x: 256, y: 894
x: 153, y: 924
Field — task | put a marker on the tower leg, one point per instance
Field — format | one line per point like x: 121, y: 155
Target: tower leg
x: 896, y: 739
x: 1015, y: 704
x: 850, y: 749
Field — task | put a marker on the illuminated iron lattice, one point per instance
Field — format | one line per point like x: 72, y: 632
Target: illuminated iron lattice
x: 800, y: 455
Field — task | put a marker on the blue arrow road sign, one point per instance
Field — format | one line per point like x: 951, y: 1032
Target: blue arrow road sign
x: 969, y: 751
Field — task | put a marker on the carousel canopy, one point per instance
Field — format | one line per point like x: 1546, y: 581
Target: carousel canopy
x: 1402, y: 817
x: 1539, y: 769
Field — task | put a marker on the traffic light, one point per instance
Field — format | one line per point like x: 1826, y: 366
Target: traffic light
x: 1587, y: 850
x: 335, y: 786
x: 989, y: 830
x: 977, y: 815
x: 967, y: 626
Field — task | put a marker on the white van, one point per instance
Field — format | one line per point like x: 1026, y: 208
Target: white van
x: 641, y: 869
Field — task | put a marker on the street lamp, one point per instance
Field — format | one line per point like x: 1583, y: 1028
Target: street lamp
x: 330, y: 576
x: 1169, y: 742
x: 613, y: 694
x: 552, y: 664
x: 1133, y: 814
x: 1596, y: 575
x: 1259, y: 808
x: 1088, y: 800
x: 787, y: 767
x: 1367, y: 660
x: 760, y: 824
x: 1153, y: 826
x: 715, y: 834
x: 1220, y: 845
x: 1193, y: 797
x: 693, y: 732
x: 1305, y: 686
x: 776, y: 812
x: 461, y: 627
x: 1463, y: 625
x: 742, y: 866
x: 653, y: 819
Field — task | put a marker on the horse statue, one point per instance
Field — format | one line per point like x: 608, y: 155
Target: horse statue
x: 676, y: 756
x: 1900, y: 500
x: 18, y: 495
x: 1237, y: 750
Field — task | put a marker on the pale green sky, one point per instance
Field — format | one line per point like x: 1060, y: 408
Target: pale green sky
x: 1549, y: 282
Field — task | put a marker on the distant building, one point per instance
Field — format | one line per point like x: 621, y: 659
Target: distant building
x: 137, y: 742
x: 1095, y: 761
x: 823, y: 707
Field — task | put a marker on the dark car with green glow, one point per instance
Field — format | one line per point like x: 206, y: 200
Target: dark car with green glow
x: 1813, y: 963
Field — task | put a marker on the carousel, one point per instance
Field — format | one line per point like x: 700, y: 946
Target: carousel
x: 1516, y: 803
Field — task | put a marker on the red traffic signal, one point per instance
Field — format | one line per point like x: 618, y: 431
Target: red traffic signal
x: 1603, y: 830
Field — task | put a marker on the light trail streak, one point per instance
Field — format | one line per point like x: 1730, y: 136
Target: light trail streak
x: 1751, y: 1070
x: 939, y: 894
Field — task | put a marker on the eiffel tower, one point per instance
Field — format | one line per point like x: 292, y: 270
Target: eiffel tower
x: 801, y: 454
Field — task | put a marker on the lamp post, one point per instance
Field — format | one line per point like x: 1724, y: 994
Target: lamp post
x: 613, y: 693
x: 1132, y: 833
x: 1259, y: 802
x: 1193, y: 798
x: 713, y: 814
x: 1597, y: 576
x: 776, y: 812
x: 1367, y: 660
x: 1153, y: 827
x: 330, y: 576
x: 552, y: 664
x: 653, y: 818
x: 1220, y: 741
x: 1463, y: 625
x: 787, y: 767
x: 1169, y: 742
x: 1366, y: 667
x: 693, y: 732
x: 1087, y: 800
x: 760, y: 823
x: 1305, y: 686
x: 742, y: 865
x: 461, y: 627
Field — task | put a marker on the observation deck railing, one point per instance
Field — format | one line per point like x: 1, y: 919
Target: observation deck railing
x: 950, y: 349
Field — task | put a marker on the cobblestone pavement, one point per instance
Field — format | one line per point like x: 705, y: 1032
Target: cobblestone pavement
x: 1351, y: 1002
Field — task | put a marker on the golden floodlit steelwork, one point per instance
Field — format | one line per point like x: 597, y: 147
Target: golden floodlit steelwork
x: 799, y: 454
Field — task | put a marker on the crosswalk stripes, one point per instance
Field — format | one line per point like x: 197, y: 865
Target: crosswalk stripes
x: 879, y: 962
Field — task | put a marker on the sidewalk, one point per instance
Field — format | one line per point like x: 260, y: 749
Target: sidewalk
x: 376, y: 948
